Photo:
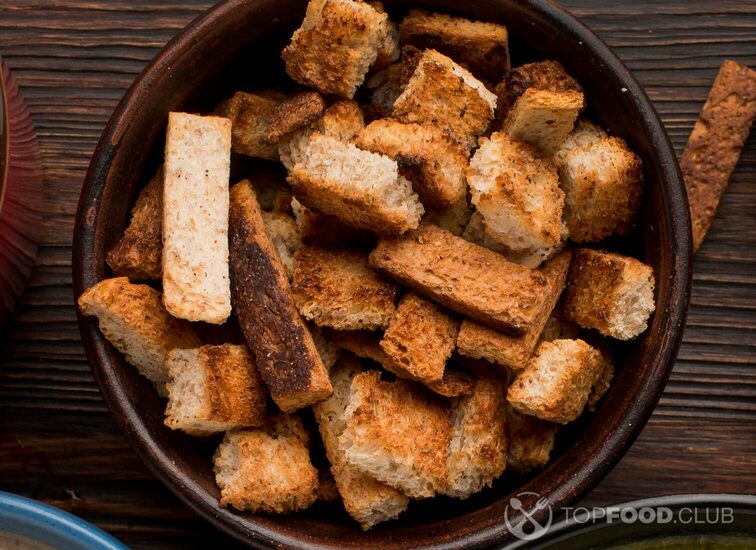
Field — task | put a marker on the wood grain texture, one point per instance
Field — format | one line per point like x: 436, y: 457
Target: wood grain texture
x: 74, y: 59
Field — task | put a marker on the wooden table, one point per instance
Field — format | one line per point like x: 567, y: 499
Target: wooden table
x: 74, y: 60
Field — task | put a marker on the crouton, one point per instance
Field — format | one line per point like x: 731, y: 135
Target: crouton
x: 214, y: 389
x: 443, y: 94
x: 557, y: 382
x: 612, y: 293
x: 481, y: 47
x: 139, y: 253
x: 584, y: 134
x: 195, y: 218
x: 336, y: 45
x: 466, y: 278
x: 328, y: 231
x: 338, y: 289
x: 543, y: 118
x: 267, y: 469
x: 426, y: 156
x: 388, y: 48
x: 603, y: 184
x: 282, y: 230
x: 420, y: 338
x: 383, y: 88
x: 558, y: 327
x: 361, y: 188
x: 480, y: 342
x: 530, y: 440
x: 604, y: 381
x: 396, y: 434
x: 132, y: 318
x: 715, y: 143
x: 367, y: 500
x: 294, y: 113
x: 250, y: 115
x: 478, y: 448
x: 328, y: 350
x: 284, y: 351
x: 517, y: 193
x: 453, y: 218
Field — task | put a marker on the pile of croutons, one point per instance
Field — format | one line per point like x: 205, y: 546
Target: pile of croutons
x: 405, y: 285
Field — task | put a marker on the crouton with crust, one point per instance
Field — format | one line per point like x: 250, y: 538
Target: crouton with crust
x: 284, y: 233
x: 250, y: 115
x: 584, y: 134
x: 530, y: 440
x: 293, y: 113
x: 328, y: 231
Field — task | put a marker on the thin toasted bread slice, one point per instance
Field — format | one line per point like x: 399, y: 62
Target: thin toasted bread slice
x: 293, y: 113
x: 251, y: 114
x: 530, y: 440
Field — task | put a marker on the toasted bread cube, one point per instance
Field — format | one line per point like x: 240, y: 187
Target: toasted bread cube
x: 397, y: 434
x: 543, y: 118
x: 604, y: 382
x: 443, y: 94
x: 612, y: 293
x: 328, y: 231
x: 558, y: 380
x: 481, y: 47
x: 517, y: 193
x: 214, y: 389
x: 480, y: 342
x: 336, y: 45
x: 426, y: 156
x: 285, y: 353
x: 478, y: 449
x: 250, y: 115
x: 293, y: 113
x: 267, y: 469
x: 384, y: 87
x: 367, y: 500
x: 284, y: 233
x: 139, y: 253
x: 132, y: 318
x: 531, y: 441
x: 338, y: 289
x: 454, y: 218
x: 195, y: 218
x: 420, y: 338
x: 388, y: 50
x: 584, y: 134
x: 361, y: 188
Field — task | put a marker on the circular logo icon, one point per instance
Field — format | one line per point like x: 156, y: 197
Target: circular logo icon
x: 527, y: 527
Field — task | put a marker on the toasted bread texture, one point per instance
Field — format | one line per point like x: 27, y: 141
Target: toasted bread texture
x: 361, y: 188
x: 250, y: 115
x: 132, y: 318
x: 293, y: 113
x: 214, y: 389
x: 338, y: 289
x: 285, y: 353
x: 328, y: 350
x: 612, y: 293
x: 397, y: 434
x: 557, y: 382
x: 139, y: 253
x: 584, y: 134
x: 267, y: 469
x: 443, y: 94
x: 454, y: 218
x: 426, y: 156
x: 195, y: 218
x: 604, y: 381
x: 328, y: 231
x: 284, y: 233
x: 530, y: 439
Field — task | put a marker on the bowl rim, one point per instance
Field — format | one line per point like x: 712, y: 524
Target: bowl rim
x: 633, y: 419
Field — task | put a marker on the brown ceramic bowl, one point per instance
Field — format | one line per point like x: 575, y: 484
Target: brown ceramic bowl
x: 236, y: 45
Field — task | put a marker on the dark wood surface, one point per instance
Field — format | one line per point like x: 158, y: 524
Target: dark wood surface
x: 74, y: 59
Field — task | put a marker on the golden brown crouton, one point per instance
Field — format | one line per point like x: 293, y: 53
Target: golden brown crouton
x: 250, y: 114
x: 294, y: 113
x: 214, y: 389
x: 605, y: 379
x: 609, y: 292
x: 284, y: 351
x: 426, y: 156
x: 267, y: 469
x: 716, y: 141
x: 558, y: 380
x: 328, y: 231
x: 282, y: 230
x: 530, y: 439
x: 465, y: 277
x: 420, y: 338
x: 584, y: 134
x: 383, y: 88
x: 388, y: 49
x: 338, y: 289
x: 139, y: 253
x: 481, y: 47
x: 453, y: 218
x: 133, y: 319
x: 397, y: 434
x: 443, y: 94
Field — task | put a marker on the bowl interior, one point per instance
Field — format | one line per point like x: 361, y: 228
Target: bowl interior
x: 236, y: 47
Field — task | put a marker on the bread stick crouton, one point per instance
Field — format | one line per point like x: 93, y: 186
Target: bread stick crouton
x: 336, y: 45
x: 284, y: 350
x: 195, y: 218
x: 420, y: 338
x: 397, y: 434
x: 443, y: 94
x: 132, y: 318
x: 530, y: 440
x: 361, y: 188
x: 214, y: 389
x: 338, y: 289
x: 283, y: 231
x: 250, y: 114
x: 139, y: 253
x: 453, y: 218
x: 328, y: 231
x: 612, y: 293
x: 481, y: 47
x: 366, y: 499
x: 293, y: 113
x: 426, y: 156
x: 267, y: 469
x: 517, y: 193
